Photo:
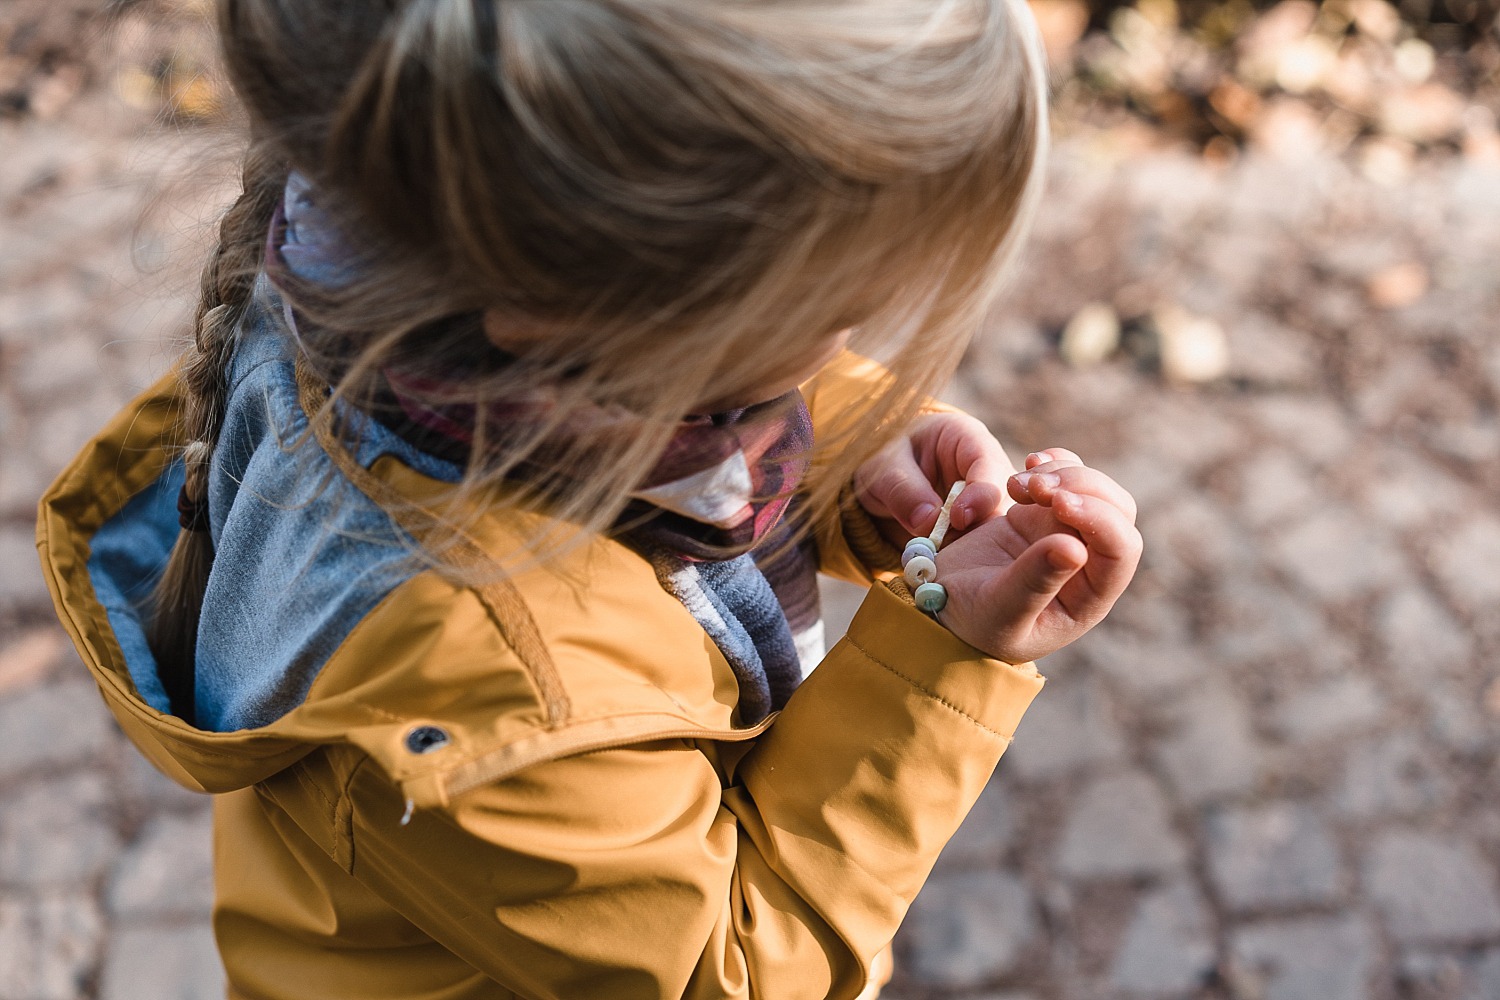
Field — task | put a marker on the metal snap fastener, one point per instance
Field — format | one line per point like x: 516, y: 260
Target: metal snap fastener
x: 426, y: 739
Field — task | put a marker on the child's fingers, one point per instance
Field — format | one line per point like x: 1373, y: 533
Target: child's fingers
x: 1066, y: 463
x: 1037, y: 464
x: 900, y: 489
x: 979, y: 502
x: 977, y: 458
x: 1051, y: 455
x: 987, y: 464
x: 1102, y: 526
x: 1018, y: 486
x: 1041, y: 484
x: 1031, y: 583
x: 1114, y: 544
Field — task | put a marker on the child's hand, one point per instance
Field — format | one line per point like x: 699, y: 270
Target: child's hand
x: 1027, y: 583
x: 899, y: 485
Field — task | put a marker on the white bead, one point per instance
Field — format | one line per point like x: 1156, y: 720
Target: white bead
x: 918, y: 547
x: 931, y: 597
x: 919, y: 570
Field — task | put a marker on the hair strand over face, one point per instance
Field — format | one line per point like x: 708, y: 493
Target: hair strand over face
x: 663, y: 199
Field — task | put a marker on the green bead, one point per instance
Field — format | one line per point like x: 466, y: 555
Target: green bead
x: 931, y: 597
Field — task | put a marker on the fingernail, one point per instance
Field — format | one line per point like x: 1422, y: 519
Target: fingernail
x: 1024, y: 480
x: 923, y: 513
x: 1059, y: 560
x: 1037, y: 456
x: 1047, y: 479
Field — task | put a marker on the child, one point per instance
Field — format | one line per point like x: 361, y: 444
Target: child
x: 467, y: 554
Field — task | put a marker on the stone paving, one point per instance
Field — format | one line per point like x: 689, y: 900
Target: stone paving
x: 1269, y: 776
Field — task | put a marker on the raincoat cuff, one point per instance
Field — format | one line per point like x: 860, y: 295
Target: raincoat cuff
x: 895, y: 635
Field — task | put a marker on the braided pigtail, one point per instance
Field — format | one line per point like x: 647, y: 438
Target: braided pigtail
x: 227, y: 286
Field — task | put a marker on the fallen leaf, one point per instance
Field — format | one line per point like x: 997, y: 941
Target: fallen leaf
x: 1399, y: 285
x: 198, y: 98
x: 1239, y: 105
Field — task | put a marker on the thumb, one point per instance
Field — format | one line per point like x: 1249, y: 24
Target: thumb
x: 899, y: 489
x: 1032, y: 582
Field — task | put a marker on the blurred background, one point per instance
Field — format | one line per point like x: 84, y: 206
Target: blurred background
x: 1262, y: 293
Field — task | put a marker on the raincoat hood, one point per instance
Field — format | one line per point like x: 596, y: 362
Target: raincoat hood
x: 313, y: 583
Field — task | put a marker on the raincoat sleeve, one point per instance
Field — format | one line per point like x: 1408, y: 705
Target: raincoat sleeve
x: 850, y: 546
x: 677, y: 868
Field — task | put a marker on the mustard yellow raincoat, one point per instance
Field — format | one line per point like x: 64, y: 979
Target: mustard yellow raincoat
x: 540, y: 788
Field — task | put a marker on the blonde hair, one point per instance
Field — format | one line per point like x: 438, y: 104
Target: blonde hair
x: 670, y: 197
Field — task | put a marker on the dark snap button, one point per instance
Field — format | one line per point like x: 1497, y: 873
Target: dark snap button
x: 425, y: 739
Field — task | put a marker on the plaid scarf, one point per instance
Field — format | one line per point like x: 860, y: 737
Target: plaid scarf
x: 711, y: 516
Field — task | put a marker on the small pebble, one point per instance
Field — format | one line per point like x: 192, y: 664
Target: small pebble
x: 1091, y: 336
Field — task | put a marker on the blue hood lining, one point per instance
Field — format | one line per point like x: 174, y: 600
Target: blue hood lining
x: 301, y: 556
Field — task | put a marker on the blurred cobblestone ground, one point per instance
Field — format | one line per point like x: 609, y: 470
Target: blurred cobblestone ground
x: 1269, y: 776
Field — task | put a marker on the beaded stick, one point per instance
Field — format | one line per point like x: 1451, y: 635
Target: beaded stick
x: 945, y: 515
